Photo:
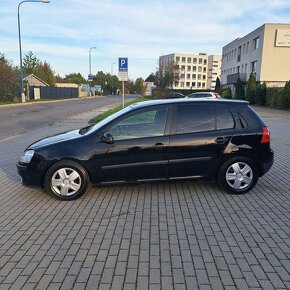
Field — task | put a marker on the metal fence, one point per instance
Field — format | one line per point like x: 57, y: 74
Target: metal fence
x: 53, y: 92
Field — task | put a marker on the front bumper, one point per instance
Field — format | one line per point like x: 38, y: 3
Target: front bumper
x: 28, y: 176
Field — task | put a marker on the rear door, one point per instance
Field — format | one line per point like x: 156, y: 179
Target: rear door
x: 200, y: 134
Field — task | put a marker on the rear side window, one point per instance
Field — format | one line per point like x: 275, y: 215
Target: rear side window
x: 195, y: 118
x: 224, y: 119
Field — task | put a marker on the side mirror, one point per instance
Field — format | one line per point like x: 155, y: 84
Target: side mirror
x: 107, y: 138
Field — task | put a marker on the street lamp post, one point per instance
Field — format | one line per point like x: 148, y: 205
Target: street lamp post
x: 20, y: 51
x: 112, y: 77
x: 90, y: 66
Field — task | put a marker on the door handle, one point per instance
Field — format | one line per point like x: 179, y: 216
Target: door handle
x: 221, y: 140
x: 160, y: 145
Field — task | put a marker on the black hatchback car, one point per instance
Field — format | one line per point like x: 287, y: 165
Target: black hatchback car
x: 207, y: 139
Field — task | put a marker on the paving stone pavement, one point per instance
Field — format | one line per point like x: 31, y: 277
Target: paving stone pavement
x: 182, y: 235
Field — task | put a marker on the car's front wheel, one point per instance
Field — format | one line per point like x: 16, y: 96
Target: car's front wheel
x: 238, y: 175
x: 66, y: 180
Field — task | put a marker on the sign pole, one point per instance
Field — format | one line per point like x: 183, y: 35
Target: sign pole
x: 123, y: 94
x: 123, y: 74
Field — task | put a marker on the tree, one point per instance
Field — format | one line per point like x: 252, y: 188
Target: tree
x: 251, y: 89
x: 30, y: 63
x: 75, y: 78
x: 167, y: 74
x: 151, y: 78
x: 240, y: 91
x: 9, y: 80
x: 43, y: 70
x: 217, y: 85
x: 140, y: 87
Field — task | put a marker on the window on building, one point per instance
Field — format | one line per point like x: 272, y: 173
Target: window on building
x: 200, y: 61
x: 194, y: 76
x: 194, y: 60
x: 247, y: 49
x: 204, y: 61
x: 183, y: 67
x: 188, y: 76
x: 254, y: 67
x: 246, y: 68
x: 189, y: 60
x: 239, y: 54
x: 238, y: 69
x: 194, y: 68
x: 199, y: 77
x: 244, y: 45
x: 182, y: 76
x: 176, y: 84
x: 204, y: 77
x: 198, y: 84
x: 193, y: 84
x: 188, y: 68
x: 183, y: 59
x: 177, y: 59
x: 199, y: 69
x: 182, y: 84
x: 203, y: 85
x: 204, y: 69
x: 187, y: 84
x: 256, y: 43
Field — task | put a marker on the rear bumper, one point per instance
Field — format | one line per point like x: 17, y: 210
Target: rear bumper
x: 28, y: 177
x: 267, y: 163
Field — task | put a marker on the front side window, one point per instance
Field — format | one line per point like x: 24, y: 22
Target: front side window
x: 143, y: 124
x: 195, y: 118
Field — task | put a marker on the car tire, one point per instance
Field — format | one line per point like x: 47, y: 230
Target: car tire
x: 66, y: 180
x: 238, y: 175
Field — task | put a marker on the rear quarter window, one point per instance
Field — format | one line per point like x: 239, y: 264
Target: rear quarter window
x: 248, y: 118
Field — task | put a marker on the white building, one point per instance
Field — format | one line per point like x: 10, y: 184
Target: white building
x: 264, y: 52
x: 195, y: 71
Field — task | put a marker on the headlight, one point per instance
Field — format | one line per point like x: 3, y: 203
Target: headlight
x: 26, y: 158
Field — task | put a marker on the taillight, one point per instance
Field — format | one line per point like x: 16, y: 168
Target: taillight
x: 266, y: 135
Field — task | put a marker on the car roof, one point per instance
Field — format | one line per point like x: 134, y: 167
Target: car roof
x: 185, y: 101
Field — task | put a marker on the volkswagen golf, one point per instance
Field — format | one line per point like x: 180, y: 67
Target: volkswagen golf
x: 209, y: 139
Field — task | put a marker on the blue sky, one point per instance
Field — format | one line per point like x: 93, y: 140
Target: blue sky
x: 63, y: 31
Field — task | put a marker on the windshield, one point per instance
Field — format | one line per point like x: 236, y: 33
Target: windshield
x: 93, y: 128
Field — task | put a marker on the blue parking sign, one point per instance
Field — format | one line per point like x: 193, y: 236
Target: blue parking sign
x: 123, y: 64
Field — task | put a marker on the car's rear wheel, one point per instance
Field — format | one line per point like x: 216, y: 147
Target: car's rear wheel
x: 238, y: 175
x: 66, y: 180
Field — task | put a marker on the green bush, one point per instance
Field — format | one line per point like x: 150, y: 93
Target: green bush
x: 283, y: 101
x: 251, y: 89
x: 240, y: 90
x: 226, y: 93
x: 261, y: 94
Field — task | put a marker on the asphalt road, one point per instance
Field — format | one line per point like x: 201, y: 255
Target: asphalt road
x: 15, y: 120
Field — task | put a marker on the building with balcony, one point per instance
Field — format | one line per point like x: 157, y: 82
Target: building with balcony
x: 265, y: 52
x: 196, y: 71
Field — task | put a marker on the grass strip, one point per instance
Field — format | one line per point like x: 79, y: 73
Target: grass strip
x: 114, y: 110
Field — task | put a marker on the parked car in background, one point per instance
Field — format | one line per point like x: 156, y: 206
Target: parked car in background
x: 211, y: 95
x: 216, y: 140
x: 174, y: 95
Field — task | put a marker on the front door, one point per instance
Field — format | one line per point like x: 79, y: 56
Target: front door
x: 139, y: 149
